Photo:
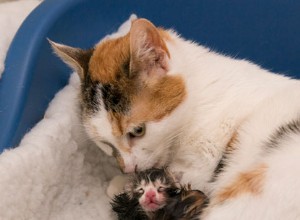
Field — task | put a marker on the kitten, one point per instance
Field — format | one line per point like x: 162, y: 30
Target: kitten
x: 154, y: 194
x: 151, y: 99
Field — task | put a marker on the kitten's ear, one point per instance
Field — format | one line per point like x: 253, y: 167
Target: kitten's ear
x: 148, y: 50
x: 76, y: 58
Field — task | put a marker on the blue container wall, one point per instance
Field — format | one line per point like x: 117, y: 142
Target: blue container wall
x: 265, y: 32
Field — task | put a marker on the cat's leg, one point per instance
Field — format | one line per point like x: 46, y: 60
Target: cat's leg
x: 116, y: 185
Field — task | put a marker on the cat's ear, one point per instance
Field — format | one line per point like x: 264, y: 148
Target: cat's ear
x: 148, y: 50
x: 76, y: 58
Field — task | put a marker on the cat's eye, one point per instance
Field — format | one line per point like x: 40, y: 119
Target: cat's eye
x: 138, y: 131
x: 161, y: 189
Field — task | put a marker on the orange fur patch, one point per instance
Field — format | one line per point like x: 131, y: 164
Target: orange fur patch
x: 117, y: 123
x: 158, y: 99
x: 248, y: 182
x: 231, y: 145
x: 153, y: 103
x: 151, y: 97
x: 107, y: 59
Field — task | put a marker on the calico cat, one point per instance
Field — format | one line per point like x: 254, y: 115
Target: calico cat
x: 154, y: 194
x: 151, y: 98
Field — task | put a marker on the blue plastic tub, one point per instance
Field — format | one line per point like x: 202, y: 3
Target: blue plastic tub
x: 266, y: 32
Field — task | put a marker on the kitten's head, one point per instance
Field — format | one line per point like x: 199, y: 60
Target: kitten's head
x: 152, y: 188
x: 128, y: 95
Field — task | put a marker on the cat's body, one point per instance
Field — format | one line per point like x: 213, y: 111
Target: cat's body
x: 161, y: 100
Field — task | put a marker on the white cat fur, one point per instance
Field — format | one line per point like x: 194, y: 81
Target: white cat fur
x: 224, y: 96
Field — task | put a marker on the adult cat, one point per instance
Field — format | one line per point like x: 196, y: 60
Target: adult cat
x: 151, y: 98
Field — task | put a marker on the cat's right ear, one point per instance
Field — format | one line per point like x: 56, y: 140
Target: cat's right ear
x: 76, y: 58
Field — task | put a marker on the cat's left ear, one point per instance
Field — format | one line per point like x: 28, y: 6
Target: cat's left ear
x: 148, y: 51
x: 76, y: 58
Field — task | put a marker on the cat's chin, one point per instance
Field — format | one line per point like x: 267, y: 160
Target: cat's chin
x: 159, y: 164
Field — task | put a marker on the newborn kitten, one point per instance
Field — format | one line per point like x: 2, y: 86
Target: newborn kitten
x: 155, y: 194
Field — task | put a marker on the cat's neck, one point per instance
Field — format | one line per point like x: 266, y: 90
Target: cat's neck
x: 222, y: 94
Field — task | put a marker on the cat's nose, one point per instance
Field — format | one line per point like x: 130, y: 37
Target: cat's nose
x: 126, y: 164
x: 128, y: 169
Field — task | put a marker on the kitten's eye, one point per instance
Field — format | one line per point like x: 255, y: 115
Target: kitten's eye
x: 138, y: 131
x: 161, y: 189
x: 140, y: 191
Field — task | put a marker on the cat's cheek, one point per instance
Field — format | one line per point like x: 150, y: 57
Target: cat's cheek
x: 145, y: 161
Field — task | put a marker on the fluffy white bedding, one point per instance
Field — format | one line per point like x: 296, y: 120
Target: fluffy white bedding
x: 56, y: 172
x: 12, y: 15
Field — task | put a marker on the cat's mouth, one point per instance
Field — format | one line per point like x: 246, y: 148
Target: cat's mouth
x: 157, y: 165
x: 162, y: 161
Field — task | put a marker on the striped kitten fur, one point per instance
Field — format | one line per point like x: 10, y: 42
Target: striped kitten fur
x: 178, y: 202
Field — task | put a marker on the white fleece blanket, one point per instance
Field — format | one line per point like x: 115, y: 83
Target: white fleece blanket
x: 56, y: 173
x: 12, y: 15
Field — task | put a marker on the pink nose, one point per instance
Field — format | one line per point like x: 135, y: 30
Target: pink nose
x: 150, y: 194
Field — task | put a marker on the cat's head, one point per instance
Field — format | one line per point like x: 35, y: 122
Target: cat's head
x: 128, y: 95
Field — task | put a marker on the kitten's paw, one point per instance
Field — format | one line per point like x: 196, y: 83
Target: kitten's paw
x: 116, y: 185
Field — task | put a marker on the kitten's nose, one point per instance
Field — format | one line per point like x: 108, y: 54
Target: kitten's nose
x: 150, y: 194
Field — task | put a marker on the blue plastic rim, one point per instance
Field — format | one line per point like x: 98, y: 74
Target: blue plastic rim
x: 265, y: 32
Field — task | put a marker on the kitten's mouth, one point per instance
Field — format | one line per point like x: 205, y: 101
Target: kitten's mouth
x: 152, y: 206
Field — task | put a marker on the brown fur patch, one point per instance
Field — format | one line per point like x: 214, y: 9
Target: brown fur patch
x: 158, y: 99
x: 248, y: 182
x: 154, y: 102
x: 116, y: 121
x: 199, y: 200
x: 137, y: 97
x: 107, y: 59
x: 231, y: 145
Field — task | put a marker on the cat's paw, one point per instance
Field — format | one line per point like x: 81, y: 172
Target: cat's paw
x: 116, y: 185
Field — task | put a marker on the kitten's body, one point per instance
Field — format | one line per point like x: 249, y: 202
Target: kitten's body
x: 224, y: 111
x: 176, y: 202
